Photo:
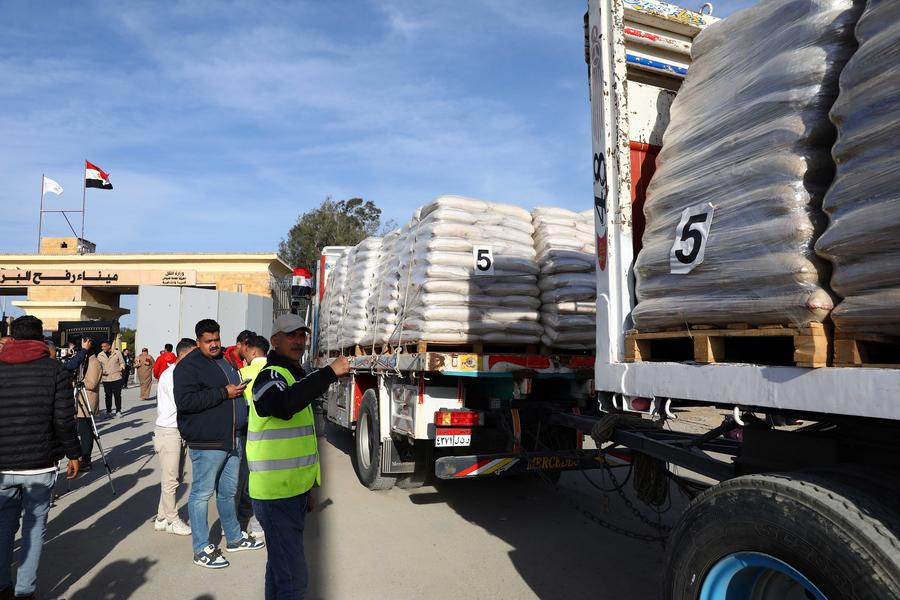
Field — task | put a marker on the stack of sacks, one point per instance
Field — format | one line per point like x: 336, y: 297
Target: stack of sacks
x: 442, y: 299
x: 564, y: 242
x: 863, y: 238
x: 382, y: 306
x: 333, y: 307
x: 360, y: 282
x: 749, y: 135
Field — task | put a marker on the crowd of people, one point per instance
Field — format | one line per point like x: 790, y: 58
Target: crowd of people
x: 242, y: 415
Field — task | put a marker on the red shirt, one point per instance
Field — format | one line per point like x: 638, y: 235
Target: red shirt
x: 232, y: 357
x: 162, y: 363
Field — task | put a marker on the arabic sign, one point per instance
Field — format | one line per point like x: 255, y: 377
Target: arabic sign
x: 20, y: 278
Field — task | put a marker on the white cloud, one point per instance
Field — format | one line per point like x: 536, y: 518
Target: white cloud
x: 216, y: 106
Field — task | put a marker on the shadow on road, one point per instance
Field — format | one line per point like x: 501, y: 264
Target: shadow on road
x: 556, y: 549
x: 70, y: 554
x: 117, y: 580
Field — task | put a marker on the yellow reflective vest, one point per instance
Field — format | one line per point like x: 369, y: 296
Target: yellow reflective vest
x: 282, y: 455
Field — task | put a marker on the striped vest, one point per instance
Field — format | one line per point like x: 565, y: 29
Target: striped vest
x: 282, y: 455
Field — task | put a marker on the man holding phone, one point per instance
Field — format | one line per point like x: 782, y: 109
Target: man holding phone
x: 212, y: 414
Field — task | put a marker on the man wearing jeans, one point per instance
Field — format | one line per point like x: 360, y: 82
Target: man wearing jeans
x: 37, y: 428
x: 170, y: 448
x: 283, y: 455
x: 211, y: 414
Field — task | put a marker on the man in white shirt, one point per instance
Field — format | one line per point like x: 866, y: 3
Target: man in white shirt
x: 170, y: 447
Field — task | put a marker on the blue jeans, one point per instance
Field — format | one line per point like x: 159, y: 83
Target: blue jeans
x: 28, y: 497
x: 283, y: 521
x: 214, y: 471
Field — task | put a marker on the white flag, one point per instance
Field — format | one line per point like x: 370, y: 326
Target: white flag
x: 51, y: 186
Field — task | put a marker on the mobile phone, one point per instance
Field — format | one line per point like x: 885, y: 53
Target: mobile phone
x: 245, y: 382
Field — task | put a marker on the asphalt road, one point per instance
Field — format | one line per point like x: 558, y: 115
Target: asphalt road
x: 495, y: 538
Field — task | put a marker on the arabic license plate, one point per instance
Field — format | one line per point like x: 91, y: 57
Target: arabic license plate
x: 448, y: 438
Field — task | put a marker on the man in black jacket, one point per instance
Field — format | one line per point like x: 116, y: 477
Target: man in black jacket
x: 37, y: 428
x: 212, y: 413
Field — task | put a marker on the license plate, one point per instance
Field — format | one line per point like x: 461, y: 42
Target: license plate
x: 448, y: 438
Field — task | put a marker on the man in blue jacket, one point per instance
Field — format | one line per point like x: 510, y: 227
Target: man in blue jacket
x: 211, y: 414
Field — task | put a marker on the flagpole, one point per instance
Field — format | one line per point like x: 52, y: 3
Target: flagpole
x: 83, y: 194
x: 41, y: 215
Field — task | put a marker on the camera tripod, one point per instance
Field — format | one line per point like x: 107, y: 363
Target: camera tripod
x: 85, y: 406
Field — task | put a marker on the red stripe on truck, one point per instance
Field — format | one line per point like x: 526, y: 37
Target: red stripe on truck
x: 473, y: 468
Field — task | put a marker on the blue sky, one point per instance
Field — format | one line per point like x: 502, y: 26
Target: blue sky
x: 220, y: 122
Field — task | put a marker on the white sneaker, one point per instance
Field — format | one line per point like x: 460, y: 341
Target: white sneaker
x: 211, y: 558
x: 178, y: 527
x: 247, y: 542
x: 160, y: 524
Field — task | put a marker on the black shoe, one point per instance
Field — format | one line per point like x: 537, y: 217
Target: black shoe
x: 85, y: 468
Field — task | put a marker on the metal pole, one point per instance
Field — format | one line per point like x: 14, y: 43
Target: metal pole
x: 83, y: 194
x: 40, y: 215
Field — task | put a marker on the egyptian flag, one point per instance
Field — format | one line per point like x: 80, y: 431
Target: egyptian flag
x: 94, y: 177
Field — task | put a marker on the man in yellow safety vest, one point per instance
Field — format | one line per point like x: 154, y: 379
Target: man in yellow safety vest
x: 282, y: 453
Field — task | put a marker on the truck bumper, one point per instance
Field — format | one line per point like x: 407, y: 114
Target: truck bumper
x: 462, y: 467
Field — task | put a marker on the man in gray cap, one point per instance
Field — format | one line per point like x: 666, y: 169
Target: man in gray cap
x: 282, y: 452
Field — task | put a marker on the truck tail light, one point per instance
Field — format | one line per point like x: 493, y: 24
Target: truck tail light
x: 640, y: 404
x: 457, y: 418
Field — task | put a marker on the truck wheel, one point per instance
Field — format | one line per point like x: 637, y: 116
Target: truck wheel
x: 785, y: 536
x: 368, y: 445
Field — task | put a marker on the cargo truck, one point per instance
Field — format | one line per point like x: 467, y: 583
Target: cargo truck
x: 799, y: 512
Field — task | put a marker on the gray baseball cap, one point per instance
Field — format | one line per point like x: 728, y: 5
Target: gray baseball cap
x: 287, y: 323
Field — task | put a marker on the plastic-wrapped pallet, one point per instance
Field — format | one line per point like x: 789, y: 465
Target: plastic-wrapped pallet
x: 362, y: 267
x: 333, y: 306
x: 443, y: 294
x: 863, y: 239
x: 564, y: 241
x: 735, y: 205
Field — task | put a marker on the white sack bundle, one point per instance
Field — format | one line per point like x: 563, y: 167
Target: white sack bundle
x: 564, y: 245
x: 443, y: 298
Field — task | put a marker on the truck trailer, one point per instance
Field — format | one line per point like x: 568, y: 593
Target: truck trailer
x: 799, y: 487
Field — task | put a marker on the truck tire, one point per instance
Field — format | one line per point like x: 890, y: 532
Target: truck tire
x: 367, y: 461
x: 793, y: 535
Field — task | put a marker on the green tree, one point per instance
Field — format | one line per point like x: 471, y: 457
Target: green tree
x: 127, y: 334
x: 333, y: 223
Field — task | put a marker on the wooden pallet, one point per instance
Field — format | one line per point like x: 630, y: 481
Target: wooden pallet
x: 866, y: 350
x: 807, y: 346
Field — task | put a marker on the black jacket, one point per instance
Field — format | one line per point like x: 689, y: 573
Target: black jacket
x: 206, y: 416
x: 37, y: 408
x: 273, y: 398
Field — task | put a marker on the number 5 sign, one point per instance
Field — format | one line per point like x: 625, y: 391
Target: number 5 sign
x: 690, y: 238
x: 484, y: 259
